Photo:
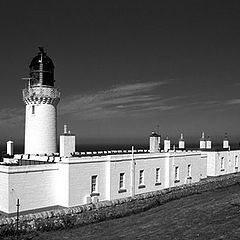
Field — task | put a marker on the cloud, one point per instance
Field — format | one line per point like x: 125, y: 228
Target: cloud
x: 121, y: 100
x: 233, y: 101
x: 11, y: 116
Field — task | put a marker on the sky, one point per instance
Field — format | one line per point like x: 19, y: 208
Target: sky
x: 126, y: 68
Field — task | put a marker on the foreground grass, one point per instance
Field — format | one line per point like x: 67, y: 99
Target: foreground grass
x: 209, y: 215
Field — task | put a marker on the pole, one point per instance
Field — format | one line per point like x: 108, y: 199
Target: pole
x: 133, y: 172
x: 18, y: 205
x: 29, y: 81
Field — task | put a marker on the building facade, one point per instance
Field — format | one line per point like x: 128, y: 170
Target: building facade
x: 40, y: 178
x: 72, y: 181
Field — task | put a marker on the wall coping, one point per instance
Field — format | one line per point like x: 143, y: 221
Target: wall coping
x: 127, y: 157
x: 28, y: 168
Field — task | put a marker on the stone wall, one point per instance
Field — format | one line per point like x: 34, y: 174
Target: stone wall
x: 86, y: 214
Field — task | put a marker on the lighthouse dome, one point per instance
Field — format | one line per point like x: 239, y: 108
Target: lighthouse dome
x: 42, y: 70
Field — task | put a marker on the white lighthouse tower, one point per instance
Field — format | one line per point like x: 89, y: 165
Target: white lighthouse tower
x: 41, y: 99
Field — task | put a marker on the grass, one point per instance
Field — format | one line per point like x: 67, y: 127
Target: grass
x: 209, y: 215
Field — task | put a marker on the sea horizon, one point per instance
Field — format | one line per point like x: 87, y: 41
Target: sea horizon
x: 19, y: 148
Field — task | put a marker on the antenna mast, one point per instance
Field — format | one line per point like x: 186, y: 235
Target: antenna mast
x: 29, y: 81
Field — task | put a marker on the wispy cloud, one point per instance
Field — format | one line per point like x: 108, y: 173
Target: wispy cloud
x: 233, y: 101
x: 11, y: 117
x: 121, y: 100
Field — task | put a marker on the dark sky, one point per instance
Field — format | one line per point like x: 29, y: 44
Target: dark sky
x: 124, y: 67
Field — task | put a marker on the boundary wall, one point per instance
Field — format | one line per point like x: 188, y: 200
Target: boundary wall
x: 90, y: 213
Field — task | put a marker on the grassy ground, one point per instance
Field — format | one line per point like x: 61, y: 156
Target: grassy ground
x: 210, y: 215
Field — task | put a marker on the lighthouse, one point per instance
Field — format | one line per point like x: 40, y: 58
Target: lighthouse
x: 41, y: 99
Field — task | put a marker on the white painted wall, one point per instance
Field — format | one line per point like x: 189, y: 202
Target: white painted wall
x: 208, y: 144
x: 154, y: 143
x: 123, y: 164
x: 202, y: 144
x: 10, y: 147
x: 214, y: 162
x: 34, y: 185
x: 211, y: 163
x: 116, y: 167
x: 62, y: 185
x: 149, y: 165
x: 167, y: 145
x: 196, y: 160
x: 4, y: 189
x: 79, y: 177
x: 225, y: 144
x: 67, y: 145
x: 68, y: 182
x: 40, y: 129
x: 181, y: 144
x: 108, y: 169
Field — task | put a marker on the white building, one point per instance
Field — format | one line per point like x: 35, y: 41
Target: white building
x: 71, y: 181
x: 40, y: 179
x: 79, y: 180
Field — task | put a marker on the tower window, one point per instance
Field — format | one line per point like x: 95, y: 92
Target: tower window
x: 33, y: 109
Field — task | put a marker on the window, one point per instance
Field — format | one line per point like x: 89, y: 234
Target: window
x: 94, y: 184
x: 177, y: 174
x: 189, y: 170
x: 158, y: 175
x: 236, y: 162
x: 122, y: 181
x: 141, y: 177
x: 33, y: 109
x: 222, y: 164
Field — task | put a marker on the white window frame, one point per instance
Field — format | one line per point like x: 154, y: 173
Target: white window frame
x: 122, y: 180
x: 158, y: 175
x: 141, y: 177
x: 222, y: 163
x: 176, y: 176
x: 189, y: 170
x: 94, y: 183
x: 236, y: 162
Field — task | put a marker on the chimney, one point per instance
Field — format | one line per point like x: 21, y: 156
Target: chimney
x: 202, y: 142
x: 226, y: 142
x: 154, y: 142
x: 181, y: 142
x: 10, y: 148
x: 167, y: 144
x: 208, y: 143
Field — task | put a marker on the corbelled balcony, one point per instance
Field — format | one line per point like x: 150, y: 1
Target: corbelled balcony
x: 41, y: 92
